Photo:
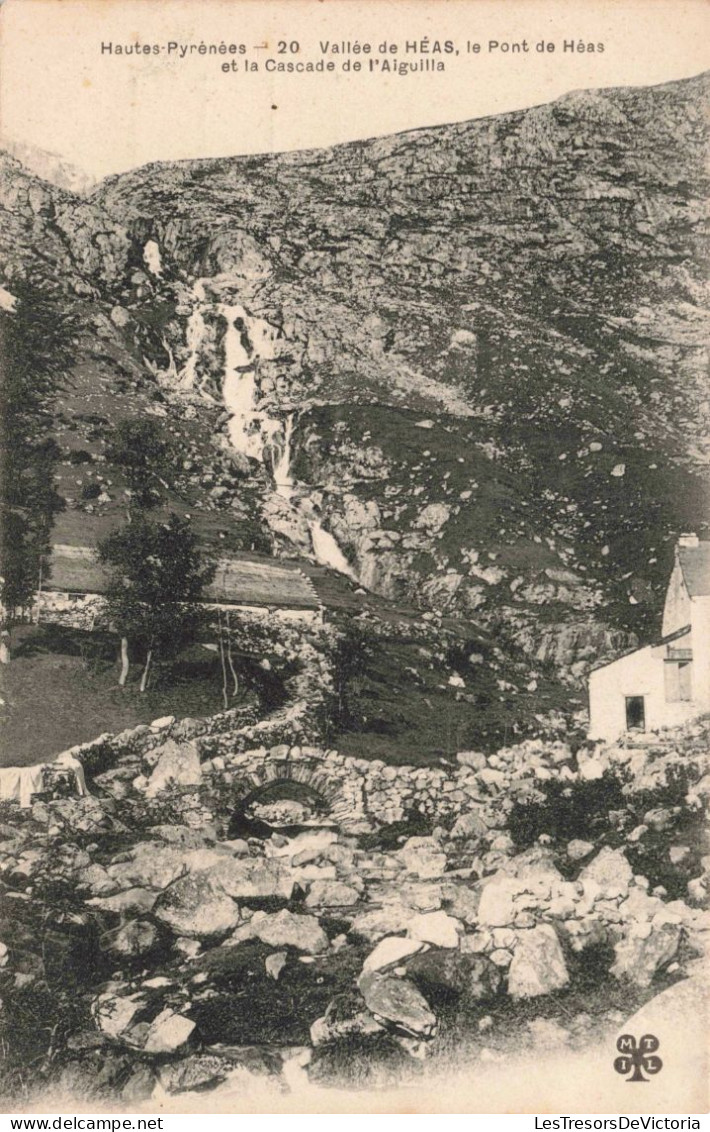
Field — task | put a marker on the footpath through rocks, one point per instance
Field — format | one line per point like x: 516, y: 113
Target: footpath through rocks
x: 148, y: 952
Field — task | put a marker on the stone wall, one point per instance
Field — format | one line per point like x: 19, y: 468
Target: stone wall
x: 238, y: 754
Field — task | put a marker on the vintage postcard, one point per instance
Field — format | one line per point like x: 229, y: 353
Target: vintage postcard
x: 355, y: 557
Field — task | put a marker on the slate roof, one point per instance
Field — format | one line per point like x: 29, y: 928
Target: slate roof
x: 669, y: 637
x: 695, y: 564
x: 248, y: 579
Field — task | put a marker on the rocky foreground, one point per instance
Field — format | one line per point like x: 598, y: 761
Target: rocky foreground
x: 142, y: 957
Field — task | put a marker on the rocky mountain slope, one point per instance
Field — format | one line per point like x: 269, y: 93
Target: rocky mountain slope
x: 466, y: 366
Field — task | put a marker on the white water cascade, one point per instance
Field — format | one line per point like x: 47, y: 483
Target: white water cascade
x: 253, y: 432
x: 327, y: 551
x: 281, y: 460
x: 194, y: 337
x: 151, y: 258
x: 249, y: 429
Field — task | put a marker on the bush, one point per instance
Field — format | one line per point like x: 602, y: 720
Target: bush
x: 80, y: 456
x: 569, y: 810
x: 91, y: 491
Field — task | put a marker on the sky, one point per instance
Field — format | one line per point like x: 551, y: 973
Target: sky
x: 106, y: 113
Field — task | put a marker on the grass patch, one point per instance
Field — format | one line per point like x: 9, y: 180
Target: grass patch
x: 61, y: 689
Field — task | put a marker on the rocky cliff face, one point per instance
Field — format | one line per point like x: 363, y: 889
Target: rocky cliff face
x: 466, y: 365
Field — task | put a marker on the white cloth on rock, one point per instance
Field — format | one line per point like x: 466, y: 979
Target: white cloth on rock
x: 19, y: 783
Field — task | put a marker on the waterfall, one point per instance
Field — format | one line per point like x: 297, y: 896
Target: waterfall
x: 283, y: 478
x: 151, y: 258
x: 194, y: 337
x: 327, y: 551
x: 239, y: 389
x: 252, y: 431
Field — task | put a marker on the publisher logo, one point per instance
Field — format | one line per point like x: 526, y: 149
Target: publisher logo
x: 637, y: 1058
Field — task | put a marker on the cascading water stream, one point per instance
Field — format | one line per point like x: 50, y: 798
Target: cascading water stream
x: 327, y: 551
x: 281, y: 466
x: 253, y: 432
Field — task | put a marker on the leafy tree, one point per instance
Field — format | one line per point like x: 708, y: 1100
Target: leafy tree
x: 157, y: 578
x: 36, y: 351
x: 139, y: 448
x: 353, y: 655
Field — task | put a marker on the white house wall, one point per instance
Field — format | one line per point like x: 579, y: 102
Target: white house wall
x: 700, y: 623
x: 639, y: 674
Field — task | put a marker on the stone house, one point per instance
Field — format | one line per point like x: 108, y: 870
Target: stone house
x: 667, y: 682
x: 73, y: 592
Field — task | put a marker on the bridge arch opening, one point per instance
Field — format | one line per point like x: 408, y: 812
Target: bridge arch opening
x: 282, y: 805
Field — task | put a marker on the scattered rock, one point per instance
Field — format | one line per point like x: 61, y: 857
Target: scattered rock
x: 390, y: 952
x: 538, y: 965
x: 423, y: 856
x: 437, y: 928
x: 610, y: 870
x: 577, y: 850
x: 398, y: 1002
x: 331, y: 894
x: 644, y: 951
x: 496, y: 907
x: 197, y: 906
x: 275, y: 964
x: 135, y: 938
x: 286, y: 929
x: 178, y: 765
x: 168, y: 1033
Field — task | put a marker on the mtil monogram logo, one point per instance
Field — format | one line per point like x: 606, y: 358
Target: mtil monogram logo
x: 637, y: 1056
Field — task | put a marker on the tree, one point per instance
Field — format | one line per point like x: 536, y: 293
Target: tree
x: 36, y: 351
x: 157, y: 578
x: 138, y: 447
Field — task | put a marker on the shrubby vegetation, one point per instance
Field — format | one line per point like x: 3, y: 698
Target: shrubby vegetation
x: 36, y: 352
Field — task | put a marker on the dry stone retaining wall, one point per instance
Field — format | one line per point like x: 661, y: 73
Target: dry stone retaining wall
x: 238, y: 756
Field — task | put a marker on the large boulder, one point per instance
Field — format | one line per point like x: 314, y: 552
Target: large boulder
x: 398, y: 1002
x: 538, y: 965
x: 285, y: 929
x: 423, y: 856
x: 331, y: 894
x: 178, y: 765
x: 390, y: 952
x: 462, y: 902
x: 253, y: 878
x: 439, y: 973
x: 136, y: 900
x: 468, y: 827
x: 168, y: 1033
x: 645, y: 950
x: 197, y: 906
x: 200, y: 1071
x: 496, y: 907
x: 610, y: 870
x: 116, y: 1013
x: 375, y: 923
x: 151, y: 864
x: 437, y: 928
x: 137, y: 937
x: 310, y: 845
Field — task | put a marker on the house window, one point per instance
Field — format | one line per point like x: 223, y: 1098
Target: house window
x: 678, y: 676
x: 635, y: 713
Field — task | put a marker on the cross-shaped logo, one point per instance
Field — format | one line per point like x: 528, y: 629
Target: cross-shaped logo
x: 638, y: 1056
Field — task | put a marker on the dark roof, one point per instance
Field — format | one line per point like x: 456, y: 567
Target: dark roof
x: 239, y: 580
x: 650, y: 645
x: 695, y: 564
x: 254, y: 581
